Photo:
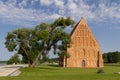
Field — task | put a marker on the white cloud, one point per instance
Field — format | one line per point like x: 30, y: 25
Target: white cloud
x: 59, y: 3
x: 9, y: 13
x: 46, y: 2
x: 108, y: 12
x: 14, y: 15
x: 12, y: 2
x: 23, y: 4
x: 54, y: 16
x: 61, y: 11
x: 72, y: 6
x: 78, y: 8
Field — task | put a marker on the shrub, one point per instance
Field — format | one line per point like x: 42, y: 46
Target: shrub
x: 14, y: 59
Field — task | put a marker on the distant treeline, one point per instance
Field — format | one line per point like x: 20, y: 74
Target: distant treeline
x: 112, y: 57
x: 3, y: 61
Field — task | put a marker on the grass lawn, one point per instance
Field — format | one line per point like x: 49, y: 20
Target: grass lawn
x: 59, y: 73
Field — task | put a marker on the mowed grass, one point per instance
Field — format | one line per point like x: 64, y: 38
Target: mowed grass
x: 60, y: 73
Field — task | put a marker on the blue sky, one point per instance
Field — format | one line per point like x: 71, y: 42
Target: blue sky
x: 102, y: 16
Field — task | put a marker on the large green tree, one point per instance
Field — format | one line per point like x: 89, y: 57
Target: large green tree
x: 32, y: 43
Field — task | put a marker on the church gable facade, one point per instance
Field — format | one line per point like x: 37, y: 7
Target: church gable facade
x: 85, y: 50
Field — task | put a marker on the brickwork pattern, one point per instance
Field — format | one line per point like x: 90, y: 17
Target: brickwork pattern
x: 85, y: 50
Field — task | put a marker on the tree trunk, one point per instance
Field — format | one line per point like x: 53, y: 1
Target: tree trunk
x: 39, y: 54
x: 36, y: 59
x: 26, y: 53
x: 29, y: 64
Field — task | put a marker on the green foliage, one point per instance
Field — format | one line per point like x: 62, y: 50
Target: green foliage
x: 34, y: 42
x: 43, y: 35
x: 16, y: 38
x: 53, y: 60
x: 24, y: 60
x: 63, y: 22
x: 45, y: 58
x: 112, y: 57
x: 14, y: 59
x: 42, y: 26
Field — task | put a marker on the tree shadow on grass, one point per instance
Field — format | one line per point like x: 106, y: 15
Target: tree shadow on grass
x: 51, y: 65
x: 48, y: 68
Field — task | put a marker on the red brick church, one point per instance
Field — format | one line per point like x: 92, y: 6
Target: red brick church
x: 85, y: 50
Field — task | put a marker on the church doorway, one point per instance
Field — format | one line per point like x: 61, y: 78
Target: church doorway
x: 83, y: 63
